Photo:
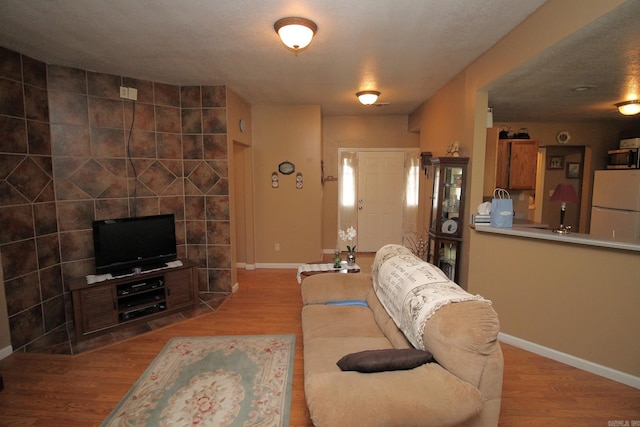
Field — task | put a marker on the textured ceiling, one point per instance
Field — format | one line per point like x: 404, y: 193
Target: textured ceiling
x: 407, y: 49
x: 603, y: 57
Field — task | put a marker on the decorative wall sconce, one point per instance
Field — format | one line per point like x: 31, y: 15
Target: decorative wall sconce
x: 489, y: 118
x: 425, y: 161
x: 296, y: 33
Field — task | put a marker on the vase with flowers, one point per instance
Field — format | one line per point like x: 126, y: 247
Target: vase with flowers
x: 348, y: 236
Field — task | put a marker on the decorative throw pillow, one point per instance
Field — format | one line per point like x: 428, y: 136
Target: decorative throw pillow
x: 391, y: 359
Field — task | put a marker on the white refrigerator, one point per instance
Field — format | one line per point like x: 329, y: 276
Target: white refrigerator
x: 615, y: 210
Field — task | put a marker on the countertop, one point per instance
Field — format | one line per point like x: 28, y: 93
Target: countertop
x: 546, y: 234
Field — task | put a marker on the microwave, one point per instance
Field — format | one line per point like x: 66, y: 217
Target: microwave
x: 624, y: 159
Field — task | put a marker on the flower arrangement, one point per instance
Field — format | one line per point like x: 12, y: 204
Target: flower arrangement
x: 348, y: 235
x: 417, y: 245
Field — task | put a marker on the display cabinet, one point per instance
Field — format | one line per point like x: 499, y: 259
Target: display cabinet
x: 447, y: 213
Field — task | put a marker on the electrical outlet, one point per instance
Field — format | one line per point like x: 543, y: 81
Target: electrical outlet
x: 129, y: 93
x: 277, y: 247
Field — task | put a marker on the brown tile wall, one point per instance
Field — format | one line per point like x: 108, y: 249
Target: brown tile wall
x: 69, y: 155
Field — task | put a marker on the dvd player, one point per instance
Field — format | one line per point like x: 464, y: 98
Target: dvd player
x: 139, y: 287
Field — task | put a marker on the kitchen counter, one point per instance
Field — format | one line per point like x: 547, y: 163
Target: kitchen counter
x: 529, y: 224
x: 532, y: 232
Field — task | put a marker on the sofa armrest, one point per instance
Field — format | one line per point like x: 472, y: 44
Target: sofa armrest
x: 328, y: 287
x: 463, y: 338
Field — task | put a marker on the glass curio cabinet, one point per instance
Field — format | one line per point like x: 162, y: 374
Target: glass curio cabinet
x: 447, y: 214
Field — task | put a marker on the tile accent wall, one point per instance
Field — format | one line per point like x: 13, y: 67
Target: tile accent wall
x: 69, y: 154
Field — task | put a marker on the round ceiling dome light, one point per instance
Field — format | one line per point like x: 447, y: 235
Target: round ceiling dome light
x: 296, y: 33
x: 368, y: 97
x: 629, y: 108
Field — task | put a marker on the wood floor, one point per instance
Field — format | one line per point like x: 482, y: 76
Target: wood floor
x: 81, y: 390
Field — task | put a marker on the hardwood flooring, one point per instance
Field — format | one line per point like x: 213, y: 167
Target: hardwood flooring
x: 82, y: 389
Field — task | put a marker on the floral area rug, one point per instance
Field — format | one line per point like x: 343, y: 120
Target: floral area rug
x: 213, y: 381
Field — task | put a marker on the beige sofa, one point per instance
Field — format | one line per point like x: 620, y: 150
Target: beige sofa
x: 462, y: 388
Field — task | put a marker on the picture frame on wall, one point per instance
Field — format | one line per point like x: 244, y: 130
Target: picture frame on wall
x: 555, y: 162
x: 573, y: 170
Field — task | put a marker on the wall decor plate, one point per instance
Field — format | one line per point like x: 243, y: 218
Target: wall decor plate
x: 563, y: 137
x: 286, y: 168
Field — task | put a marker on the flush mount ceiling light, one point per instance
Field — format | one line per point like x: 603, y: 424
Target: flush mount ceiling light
x: 296, y: 33
x: 368, y: 97
x: 629, y: 108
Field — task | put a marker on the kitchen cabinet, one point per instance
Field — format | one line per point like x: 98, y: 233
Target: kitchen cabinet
x: 447, y: 213
x: 510, y: 163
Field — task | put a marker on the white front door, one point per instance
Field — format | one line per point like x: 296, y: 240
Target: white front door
x: 380, y: 194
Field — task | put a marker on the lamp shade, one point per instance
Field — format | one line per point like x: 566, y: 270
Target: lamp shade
x: 564, y: 193
x: 296, y: 33
x: 368, y: 97
x: 629, y: 108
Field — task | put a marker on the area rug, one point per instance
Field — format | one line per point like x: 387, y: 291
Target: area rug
x: 213, y: 381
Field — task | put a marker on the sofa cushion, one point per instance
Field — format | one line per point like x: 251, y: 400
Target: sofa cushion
x: 425, y: 396
x: 319, y: 320
x: 390, y: 359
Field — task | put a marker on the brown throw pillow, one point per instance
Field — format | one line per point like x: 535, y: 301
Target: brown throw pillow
x: 390, y: 359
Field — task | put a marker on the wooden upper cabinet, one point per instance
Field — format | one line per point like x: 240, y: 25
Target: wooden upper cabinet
x: 523, y: 160
x: 502, y: 164
x: 510, y: 163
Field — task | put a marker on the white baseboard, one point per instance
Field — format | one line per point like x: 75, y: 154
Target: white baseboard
x: 576, y: 362
x: 246, y: 266
x: 6, y: 352
x: 277, y: 265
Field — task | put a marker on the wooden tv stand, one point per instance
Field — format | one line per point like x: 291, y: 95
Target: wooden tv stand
x: 122, y: 301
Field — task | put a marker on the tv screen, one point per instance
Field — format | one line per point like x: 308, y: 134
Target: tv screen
x: 122, y: 244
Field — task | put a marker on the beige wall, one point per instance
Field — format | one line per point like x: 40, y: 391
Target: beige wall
x: 579, y: 300
x: 355, y: 132
x: 507, y: 270
x: 287, y: 216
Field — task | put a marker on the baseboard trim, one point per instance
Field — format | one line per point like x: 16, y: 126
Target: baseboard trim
x: 6, y: 352
x: 576, y: 362
x: 277, y: 265
x: 246, y: 266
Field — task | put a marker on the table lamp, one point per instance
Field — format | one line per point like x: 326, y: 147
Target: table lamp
x: 564, y: 193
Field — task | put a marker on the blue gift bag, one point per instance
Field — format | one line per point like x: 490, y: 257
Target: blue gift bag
x: 501, y: 209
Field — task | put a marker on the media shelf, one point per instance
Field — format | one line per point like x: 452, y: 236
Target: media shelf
x: 104, y: 306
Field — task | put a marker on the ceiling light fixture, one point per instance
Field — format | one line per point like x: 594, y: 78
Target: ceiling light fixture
x: 629, y: 108
x: 368, y: 97
x: 296, y: 33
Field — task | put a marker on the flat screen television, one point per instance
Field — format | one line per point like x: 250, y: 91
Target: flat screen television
x: 123, y: 244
